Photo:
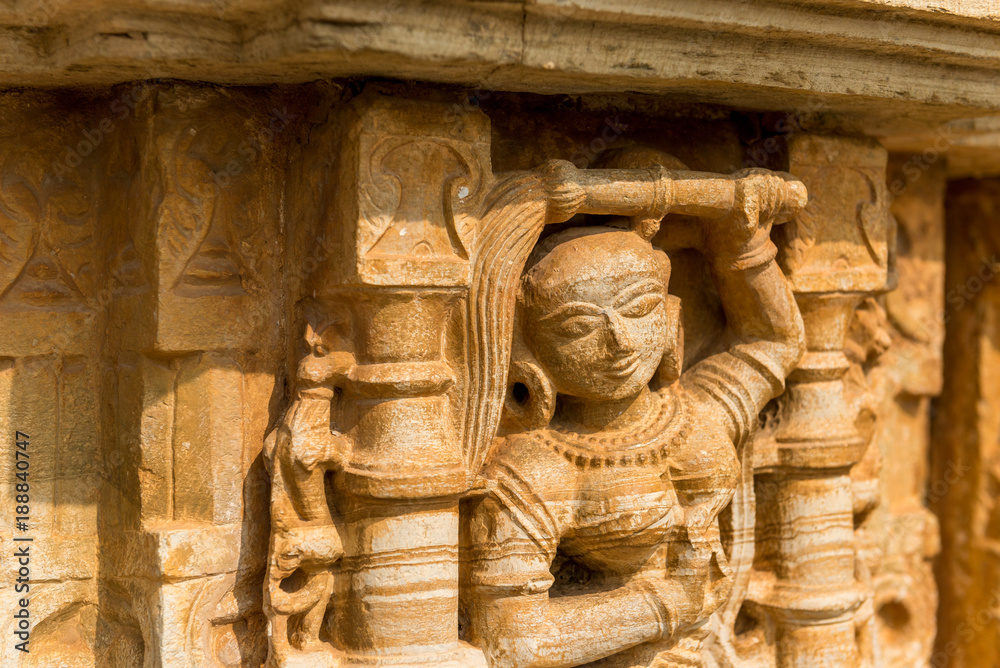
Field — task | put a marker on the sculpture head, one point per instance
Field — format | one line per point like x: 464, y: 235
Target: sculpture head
x: 594, y: 311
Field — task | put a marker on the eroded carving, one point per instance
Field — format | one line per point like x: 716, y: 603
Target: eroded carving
x: 810, y: 597
x: 491, y: 447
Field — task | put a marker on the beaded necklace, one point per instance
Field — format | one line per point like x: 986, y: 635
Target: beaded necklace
x: 649, y: 443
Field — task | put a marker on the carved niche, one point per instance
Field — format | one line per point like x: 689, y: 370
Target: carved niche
x: 491, y: 455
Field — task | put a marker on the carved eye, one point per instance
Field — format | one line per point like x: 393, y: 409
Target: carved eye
x: 641, y: 305
x: 578, y: 325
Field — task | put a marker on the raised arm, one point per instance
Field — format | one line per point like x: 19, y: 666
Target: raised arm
x: 765, y: 333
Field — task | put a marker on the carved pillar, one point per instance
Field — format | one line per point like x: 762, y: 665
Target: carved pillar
x: 400, y: 387
x: 408, y: 178
x: 52, y: 278
x: 835, y: 253
x: 965, y: 471
x: 197, y: 260
x: 898, y: 348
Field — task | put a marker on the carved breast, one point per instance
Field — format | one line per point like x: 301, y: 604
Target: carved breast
x: 625, y: 506
x: 605, y: 499
x: 621, y: 517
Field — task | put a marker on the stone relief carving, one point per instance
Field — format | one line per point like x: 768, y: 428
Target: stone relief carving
x: 50, y: 276
x: 498, y: 436
x: 894, y: 345
x: 505, y: 435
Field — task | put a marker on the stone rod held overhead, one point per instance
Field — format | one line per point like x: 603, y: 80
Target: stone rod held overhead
x: 657, y: 191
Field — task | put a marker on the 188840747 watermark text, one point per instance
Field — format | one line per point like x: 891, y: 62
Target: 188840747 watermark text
x: 22, y: 541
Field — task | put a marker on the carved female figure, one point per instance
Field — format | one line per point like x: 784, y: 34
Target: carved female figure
x: 602, y: 470
x: 597, y: 467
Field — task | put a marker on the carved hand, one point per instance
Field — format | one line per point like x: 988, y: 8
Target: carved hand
x: 671, y: 602
x: 714, y: 582
x: 692, y: 590
x: 762, y: 198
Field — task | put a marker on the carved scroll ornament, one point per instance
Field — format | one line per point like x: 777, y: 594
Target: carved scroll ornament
x: 588, y: 528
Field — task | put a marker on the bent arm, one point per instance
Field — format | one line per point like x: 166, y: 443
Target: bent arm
x: 536, y: 631
x: 766, y: 341
x: 512, y: 618
x: 763, y: 321
x: 765, y: 332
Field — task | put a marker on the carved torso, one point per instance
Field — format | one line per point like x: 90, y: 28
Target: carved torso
x: 586, y: 493
x: 609, y: 500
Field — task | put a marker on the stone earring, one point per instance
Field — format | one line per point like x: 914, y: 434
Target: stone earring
x: 531, y: 396
x: 673, y: 356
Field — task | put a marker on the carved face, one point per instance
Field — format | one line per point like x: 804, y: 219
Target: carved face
x: 595, y: 314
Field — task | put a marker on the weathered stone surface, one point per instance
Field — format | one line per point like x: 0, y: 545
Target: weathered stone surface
x: 807, y: 600
x: 969, y: 147
x: 589, y: 366
x: 895, y: 350
x: 813, y: 56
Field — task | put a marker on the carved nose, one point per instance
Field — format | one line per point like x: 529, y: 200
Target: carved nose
x: 620, y: 338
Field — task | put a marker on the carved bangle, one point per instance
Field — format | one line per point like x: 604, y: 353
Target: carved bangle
x: 755, y: 256
x: 663, y: 192
x: 649, y: 593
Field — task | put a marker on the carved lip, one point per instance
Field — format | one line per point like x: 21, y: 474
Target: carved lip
x: 624, y: 366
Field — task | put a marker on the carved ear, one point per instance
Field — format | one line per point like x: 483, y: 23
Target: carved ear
x: 530, y: 401
x: 673, y: 356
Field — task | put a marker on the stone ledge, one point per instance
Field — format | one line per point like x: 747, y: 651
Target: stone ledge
x: 807, y: 54
x: 184, y: 550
